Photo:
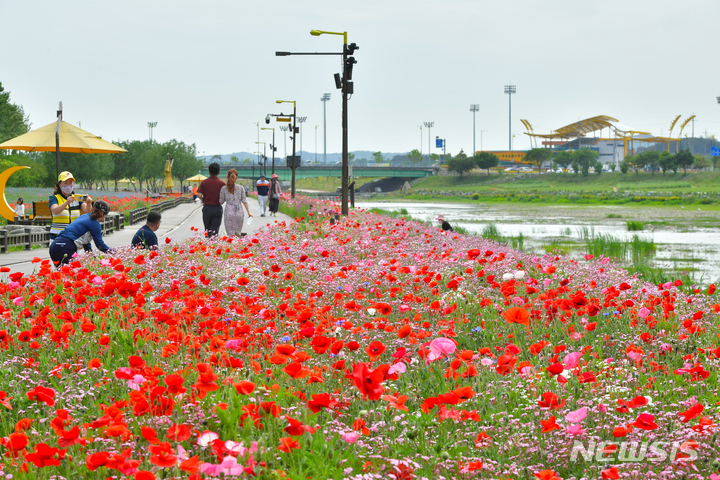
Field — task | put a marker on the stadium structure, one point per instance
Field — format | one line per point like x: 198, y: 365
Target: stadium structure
x: 613, y: 142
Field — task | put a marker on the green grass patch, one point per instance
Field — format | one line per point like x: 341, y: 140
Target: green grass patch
x: 634, y: 226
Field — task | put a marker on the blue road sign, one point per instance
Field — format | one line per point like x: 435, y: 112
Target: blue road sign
x: 715, y: 151
x: 438, y: 143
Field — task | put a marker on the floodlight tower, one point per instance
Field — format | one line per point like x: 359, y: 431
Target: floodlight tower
x: 474, y: 108
x: 429, y: 125
x: 510, y: 89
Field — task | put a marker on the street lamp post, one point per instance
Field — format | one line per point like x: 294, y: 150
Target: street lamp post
x: 264, y: 156
x: 293, y: 163
x: 151, y: 125
x: 324, y: 99
x: 285, y: 129
x: 258, y: 125
x: 481, y: 132
x: 346, y: 85
x: 273, y: 148
x: 301, y: 120
x: 474, y: 108
x: 421, y: 138
x: 510, y: 89
x: 429, y: 125
x: 316, y: 143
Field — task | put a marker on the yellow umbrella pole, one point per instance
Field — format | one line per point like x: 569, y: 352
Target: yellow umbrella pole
x: 57, y: 140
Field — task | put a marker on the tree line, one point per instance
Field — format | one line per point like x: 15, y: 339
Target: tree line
x: 584, y: 160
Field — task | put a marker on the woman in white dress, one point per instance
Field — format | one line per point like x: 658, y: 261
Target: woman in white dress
x: 233, y: 195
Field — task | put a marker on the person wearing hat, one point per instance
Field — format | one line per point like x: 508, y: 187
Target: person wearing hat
x: 444, y: 224
x: 263, y: 186
x: 79, y: 233
x: 65, y: 205
x: 275, y: 193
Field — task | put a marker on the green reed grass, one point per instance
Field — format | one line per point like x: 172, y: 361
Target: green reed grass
x: 634, y: 226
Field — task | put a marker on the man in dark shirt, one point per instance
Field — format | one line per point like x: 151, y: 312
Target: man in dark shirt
x: 209, y: 193
x: 145, y: 237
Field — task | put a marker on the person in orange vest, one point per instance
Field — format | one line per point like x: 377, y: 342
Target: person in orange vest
x: 194, y: 192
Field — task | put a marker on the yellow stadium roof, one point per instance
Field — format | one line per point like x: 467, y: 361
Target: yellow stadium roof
x: 582, y: 127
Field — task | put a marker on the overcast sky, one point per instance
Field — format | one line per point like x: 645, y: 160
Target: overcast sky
x: 206, y: 72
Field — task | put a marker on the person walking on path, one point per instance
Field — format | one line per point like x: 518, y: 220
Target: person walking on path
x: 145, y: 237
x: 444, y: 224
x: 263, y: 186
x: 234, y: 198
x: 275, y: 193
x: 65, y: 206
x: 79, y: 233
x: 209, y: 193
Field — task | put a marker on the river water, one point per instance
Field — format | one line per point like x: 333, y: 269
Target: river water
x: 690, y: 243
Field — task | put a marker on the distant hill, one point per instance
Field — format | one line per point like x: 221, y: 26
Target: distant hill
x: 306, y: 156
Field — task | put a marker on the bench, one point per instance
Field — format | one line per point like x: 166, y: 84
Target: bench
x: 41, y: 213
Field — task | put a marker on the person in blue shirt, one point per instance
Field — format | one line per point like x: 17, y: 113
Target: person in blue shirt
x: 263, y: 187
x: 145, y: 237
x: 79, y: 233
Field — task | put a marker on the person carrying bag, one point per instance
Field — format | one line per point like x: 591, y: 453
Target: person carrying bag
x: 275, y: 194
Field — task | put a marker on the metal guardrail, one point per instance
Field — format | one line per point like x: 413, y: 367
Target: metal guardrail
x: 30, y: 236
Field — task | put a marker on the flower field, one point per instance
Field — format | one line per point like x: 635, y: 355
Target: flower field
x: 367, y: 347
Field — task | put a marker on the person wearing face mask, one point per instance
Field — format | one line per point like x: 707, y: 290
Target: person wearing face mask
x: 64, y: 205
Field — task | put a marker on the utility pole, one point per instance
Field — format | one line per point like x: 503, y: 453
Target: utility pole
x: 429, y: 125
x: 301, y: 120
x: 474, y: 108
x: 324, y: 99
x: 151, y: 125
x: 692, y: 145
x: 510, y: 89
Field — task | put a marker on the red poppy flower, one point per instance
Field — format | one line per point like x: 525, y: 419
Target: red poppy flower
x: 368, y: 381
x: 288, y: 444
x: 517, y: 315
x: 692, y: 412
x: 42, y: 394
x: 179, y: 433
x: 646, y: 421
x: 320, y: 401
x: 245, y: 387
x: 549, y: 425
x: 162, y: 455
x: 45, y: 456
x: 550, y: 400
x: 375, y: 349
x: 174, y: 383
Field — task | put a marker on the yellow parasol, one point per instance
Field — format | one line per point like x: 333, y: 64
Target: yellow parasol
x: 197, y: 178
x: 61, y: 137
x: 72, y: 139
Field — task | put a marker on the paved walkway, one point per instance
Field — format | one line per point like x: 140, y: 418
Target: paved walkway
x: 176, y: 223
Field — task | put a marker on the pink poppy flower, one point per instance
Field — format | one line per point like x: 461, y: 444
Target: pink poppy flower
x: 577, y: 416
x: 350, y: 437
